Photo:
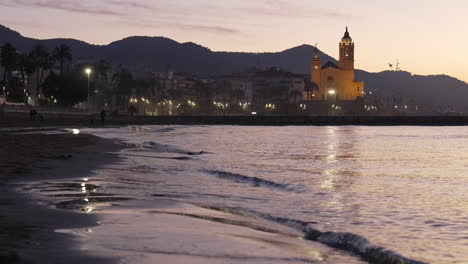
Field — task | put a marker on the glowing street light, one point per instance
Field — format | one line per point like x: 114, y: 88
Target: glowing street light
x: 191, y: 103
x: 332, y: 92
x: 270, y: 106
x: 88, y: 72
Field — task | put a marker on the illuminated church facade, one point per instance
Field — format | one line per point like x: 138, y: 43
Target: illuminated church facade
x: 333, y: 82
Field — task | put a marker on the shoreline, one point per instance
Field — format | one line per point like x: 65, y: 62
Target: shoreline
x: 28, y: 228
x: 21, y: 120
x: 34, y: 232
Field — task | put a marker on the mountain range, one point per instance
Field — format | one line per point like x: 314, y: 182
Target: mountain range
x: 158, y: 53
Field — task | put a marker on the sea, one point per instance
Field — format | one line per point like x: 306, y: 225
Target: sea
x: 369, y: 194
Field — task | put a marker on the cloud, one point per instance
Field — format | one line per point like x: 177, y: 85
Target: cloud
x: 127, y: 4
x: 70, y: 6
x: 210, y: 16
x: 23, y: 23
x: 215, y: 29
x: 292, y: 12
x: 147, y: 14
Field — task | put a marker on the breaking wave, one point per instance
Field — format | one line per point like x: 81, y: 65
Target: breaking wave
x: 253, y: 181
x: 172, y: 149
x: 358, y: 245
x: 349, y: 242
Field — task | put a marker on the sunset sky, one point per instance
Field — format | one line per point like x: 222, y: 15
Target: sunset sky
x: 428, y: 36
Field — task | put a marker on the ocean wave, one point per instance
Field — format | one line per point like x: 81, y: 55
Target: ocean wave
x: 289, y: 222
x: 253, y: 181
x: 157, y: 157
x: 357, y: 245
x: 172, y: 149
x: 348, y: 242
x: 165, y: 130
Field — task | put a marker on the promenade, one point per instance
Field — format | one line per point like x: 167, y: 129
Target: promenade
x: 70, y: 118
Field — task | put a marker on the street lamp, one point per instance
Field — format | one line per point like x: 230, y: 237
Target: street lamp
x: 88, y: 72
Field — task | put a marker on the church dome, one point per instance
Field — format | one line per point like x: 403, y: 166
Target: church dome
x: 347, y: 40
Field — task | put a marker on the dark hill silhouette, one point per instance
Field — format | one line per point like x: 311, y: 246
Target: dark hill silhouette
x: 23, y: 44
x: 440, y: 90
x: 157, y: 53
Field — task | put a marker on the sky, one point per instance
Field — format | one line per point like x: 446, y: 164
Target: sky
x: 427, y: 36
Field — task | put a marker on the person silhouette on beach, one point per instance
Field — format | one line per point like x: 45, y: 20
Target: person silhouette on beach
x: 32, y: 114
x: 103, y: 116
x: 2, y: 110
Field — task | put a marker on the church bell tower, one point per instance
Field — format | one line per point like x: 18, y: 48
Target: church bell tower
x: 347, y: 52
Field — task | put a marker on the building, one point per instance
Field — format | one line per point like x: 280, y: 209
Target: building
x: 333, y: 82
x: 271, y: 86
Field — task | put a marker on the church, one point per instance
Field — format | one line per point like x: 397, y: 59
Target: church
x: 333, y: 82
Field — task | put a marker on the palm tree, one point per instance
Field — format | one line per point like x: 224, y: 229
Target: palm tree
x: 62, y: 54
x: 8, y: 62
x: 101, y: 68
x: 26, y: 67
x: 42, y: 62
x: 295, y: 94
x: 123, y: 81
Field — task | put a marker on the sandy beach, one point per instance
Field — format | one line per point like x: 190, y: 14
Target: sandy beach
x: 28, y: 229
x: 160, y: 229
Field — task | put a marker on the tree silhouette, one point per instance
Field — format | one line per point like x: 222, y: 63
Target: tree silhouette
x: 8, y: 61
x: 123, y: 83
x: 42, y: 62
x: 68, y: 88
x: 25, y: 66
x: 295, y: 94
x: 101, y: 69
x: 62, y: 54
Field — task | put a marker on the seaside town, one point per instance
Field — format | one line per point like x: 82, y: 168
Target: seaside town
x: 233, y: 132
x: 55, y: 81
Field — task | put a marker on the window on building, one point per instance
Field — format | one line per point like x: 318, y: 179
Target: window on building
x: 330, y: 78
x: 358, y: 88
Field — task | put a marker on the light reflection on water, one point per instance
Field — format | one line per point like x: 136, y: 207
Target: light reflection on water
x: 386, y: 184
x: 403, y: 188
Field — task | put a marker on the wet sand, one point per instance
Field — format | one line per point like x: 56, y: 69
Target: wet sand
x: 27, y: 233
x: 156, y: 230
